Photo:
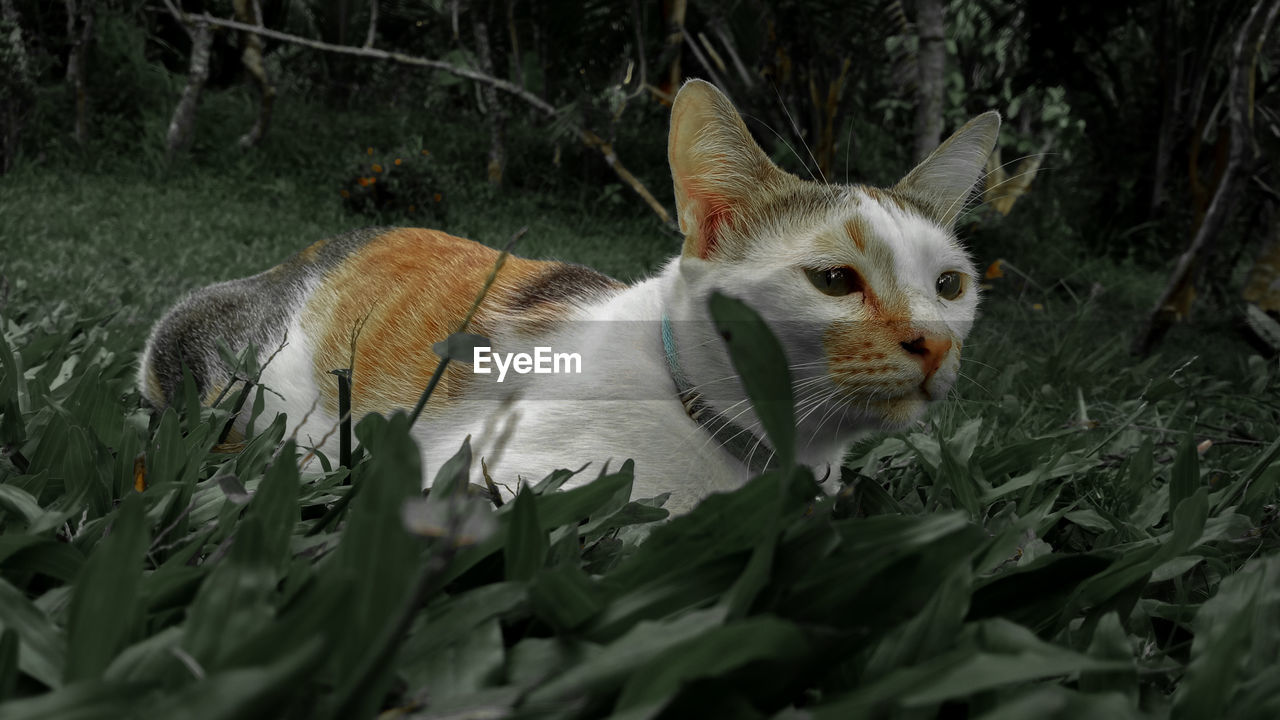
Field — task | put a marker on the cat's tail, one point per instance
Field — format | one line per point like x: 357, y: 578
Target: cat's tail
x: 232, y: 314
x: 249, y: 312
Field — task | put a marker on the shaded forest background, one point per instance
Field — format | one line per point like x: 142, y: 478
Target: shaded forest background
x: 1124, y: 121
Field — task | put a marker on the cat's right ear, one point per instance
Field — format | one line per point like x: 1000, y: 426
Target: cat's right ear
x: 717, y: 169
x: 941, y: 183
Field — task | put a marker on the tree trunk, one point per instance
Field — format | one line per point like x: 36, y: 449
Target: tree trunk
x: 513, y: 39
x: 1171, y: 86
x: 17, y: 88
x: 342, y: 17
x: 79, y: 34
x: 930, y: 60
x: 676, y: 10
x: 493, y: 107
x: 182, y: 125
x: 1168, y: 309
x: 248, y: 12
x: 826, y: 109
x: 335, y: 27
x: 372, y: 33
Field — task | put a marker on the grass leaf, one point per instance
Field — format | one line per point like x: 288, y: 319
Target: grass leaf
x: 762, y: 366
x: 1184, y: 478
x: 564, y: 596
x: 42, y: 647
x: 104, y: 605
x: 712, y: 654
x: 527, y: 544
x: 1236, y: 636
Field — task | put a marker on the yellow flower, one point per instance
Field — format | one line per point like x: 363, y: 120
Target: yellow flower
x: 377, y: 168
x: 368, y: 151
x: 426, y: 152
x: 438, y: 197
x: 397, y: 161
x: 344, y: 194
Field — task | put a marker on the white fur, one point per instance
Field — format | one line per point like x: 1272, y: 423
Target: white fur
x: 289, y: 380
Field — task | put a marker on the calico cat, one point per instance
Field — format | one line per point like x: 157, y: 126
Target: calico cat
x: 867, y: 290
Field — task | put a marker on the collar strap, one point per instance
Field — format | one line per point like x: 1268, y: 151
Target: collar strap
x: 733, y: 438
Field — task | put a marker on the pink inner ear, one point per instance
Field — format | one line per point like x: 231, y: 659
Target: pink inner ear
x: 713, y: 214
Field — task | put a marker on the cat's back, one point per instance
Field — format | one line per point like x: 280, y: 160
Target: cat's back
x: 376, y: 299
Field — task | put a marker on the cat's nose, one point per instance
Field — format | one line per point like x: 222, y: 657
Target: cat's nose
x: 930, y: 350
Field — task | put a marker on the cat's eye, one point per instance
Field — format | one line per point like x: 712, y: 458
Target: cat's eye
x: 835, y: 281
x: 950, y: 285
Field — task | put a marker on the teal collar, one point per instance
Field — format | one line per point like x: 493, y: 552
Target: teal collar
x: 733, y: 438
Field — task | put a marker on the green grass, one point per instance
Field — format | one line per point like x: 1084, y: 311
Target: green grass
x: 1059, y: 540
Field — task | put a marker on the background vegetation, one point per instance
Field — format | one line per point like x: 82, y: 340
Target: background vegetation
x: 1081, y: 530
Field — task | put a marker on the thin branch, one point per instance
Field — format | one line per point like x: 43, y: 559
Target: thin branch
x: 711, y: 51
x: 702, y: 60
x: 726, y: 40
x: 643, y: 81
x: 587, y: 137
x: 181, y: 17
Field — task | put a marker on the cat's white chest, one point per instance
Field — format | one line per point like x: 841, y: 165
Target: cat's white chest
x: 526, y: 440
x: 615, y: 401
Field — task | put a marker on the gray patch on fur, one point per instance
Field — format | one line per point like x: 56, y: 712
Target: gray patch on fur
x: 250, y: 311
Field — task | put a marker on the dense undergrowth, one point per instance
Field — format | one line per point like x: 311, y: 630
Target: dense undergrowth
x: 1077, y: 532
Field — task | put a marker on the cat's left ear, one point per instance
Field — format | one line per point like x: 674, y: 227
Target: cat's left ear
x: 718, y: 170
x: 941, y: 183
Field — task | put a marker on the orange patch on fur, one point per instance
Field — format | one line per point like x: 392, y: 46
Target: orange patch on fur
x: 884, y: 197
x: 383, y: 308
x: 309, y: 254
x: 854, y: 229
x: 713, y: 216
x: 152, y: 390
x: 891, y: 312
x: 868, y: 347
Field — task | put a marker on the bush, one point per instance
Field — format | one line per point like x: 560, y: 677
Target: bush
x: 405, y: 183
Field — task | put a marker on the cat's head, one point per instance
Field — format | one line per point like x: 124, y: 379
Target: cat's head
x: 867, y: 288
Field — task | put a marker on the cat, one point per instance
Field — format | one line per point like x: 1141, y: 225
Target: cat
x: 867, y: 289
